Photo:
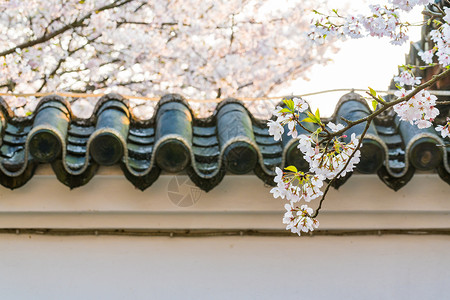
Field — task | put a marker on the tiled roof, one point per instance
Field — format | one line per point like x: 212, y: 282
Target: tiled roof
x: 229, y: 141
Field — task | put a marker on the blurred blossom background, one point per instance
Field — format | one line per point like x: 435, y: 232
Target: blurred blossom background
x: 269, y: 47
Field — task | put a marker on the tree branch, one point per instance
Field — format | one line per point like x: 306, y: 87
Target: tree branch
x: 388, y: 105
x: 340, y: 172
x: 77, y: 23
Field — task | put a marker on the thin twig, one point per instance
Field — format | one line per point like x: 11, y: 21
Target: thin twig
x: 340, y: 172
x: 379, y: 100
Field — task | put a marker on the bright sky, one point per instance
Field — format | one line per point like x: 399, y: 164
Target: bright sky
x: 359, y: 64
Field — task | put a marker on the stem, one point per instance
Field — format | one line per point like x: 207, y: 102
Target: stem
x: 379, y: 100
x: 340, y: 172
x: 325, y: 152
x: 302, y: 126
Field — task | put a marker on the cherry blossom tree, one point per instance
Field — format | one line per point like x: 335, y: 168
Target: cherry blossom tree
x: 328, y: 151
x: 200, y: 49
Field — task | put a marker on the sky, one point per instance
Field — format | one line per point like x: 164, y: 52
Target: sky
x: 359, y: 64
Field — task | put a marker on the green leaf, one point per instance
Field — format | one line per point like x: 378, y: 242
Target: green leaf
x: 318, y: 114
x: 289, y: 104
x: 291, y: 168
x: 374, y: 104
x: 312, y: 117
x: 286, y: 110
x: 308, y: 120
x: 372, y: 92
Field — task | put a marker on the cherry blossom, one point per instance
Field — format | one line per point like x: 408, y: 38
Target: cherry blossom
x: 419, y: 110
x: 287, y: 116
x: 441, y: 38
x: 298, y: 219
x: 151, y: 48
x: 335, y: 127
x: 275, y: 129
x: 297, y: 186
x: 327, y: 160
x: 384, y: 21
x: 406, y: 77
x: 444, y: 129
x: 331, y: 156
x: 407, y: 5
x: 335, y: 161
x: 427, y: 56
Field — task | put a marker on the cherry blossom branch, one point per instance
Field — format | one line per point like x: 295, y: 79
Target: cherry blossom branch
x: 316, y: 213
x: 338, y: 162
x: 416, y: 106
x: 388, y: 105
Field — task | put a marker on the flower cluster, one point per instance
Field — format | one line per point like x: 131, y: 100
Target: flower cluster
x: 298, y: 219
x: 408, y: 5
x: 383, y: 21
x: 406, y: 77
x: 441, y: 39
x: 444, y: 129
x: 297, y: 186
x: 334, y: 161
x: 329, y: 154
x: 419, y: 110
x: 328, y: 158
x: 288, y: 115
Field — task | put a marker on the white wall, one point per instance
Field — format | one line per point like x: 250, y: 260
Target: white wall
x: 386, y: 267
x: 238, y: 202
x: 320, y: 267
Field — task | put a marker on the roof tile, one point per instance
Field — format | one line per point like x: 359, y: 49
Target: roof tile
x: 231, y: 140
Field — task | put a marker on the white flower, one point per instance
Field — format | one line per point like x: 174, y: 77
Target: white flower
x: 407, y: 78
x: 427, y: 56
x: 298, y: 219
x: 300, y: 104
x: 419, y: 110
x: 278, y: 192
x: 292, y: 129
x: 275, y: 129
x: 334, y: 127
x: 279, y: 176
x: 328, y: 163
x: 423, y: 124
x: 445, y: 130
x: 353, y: 27
x: 407, y: 5
x: 447, y: 15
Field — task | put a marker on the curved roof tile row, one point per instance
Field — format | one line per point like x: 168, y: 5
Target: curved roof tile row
x: 231, y: 140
